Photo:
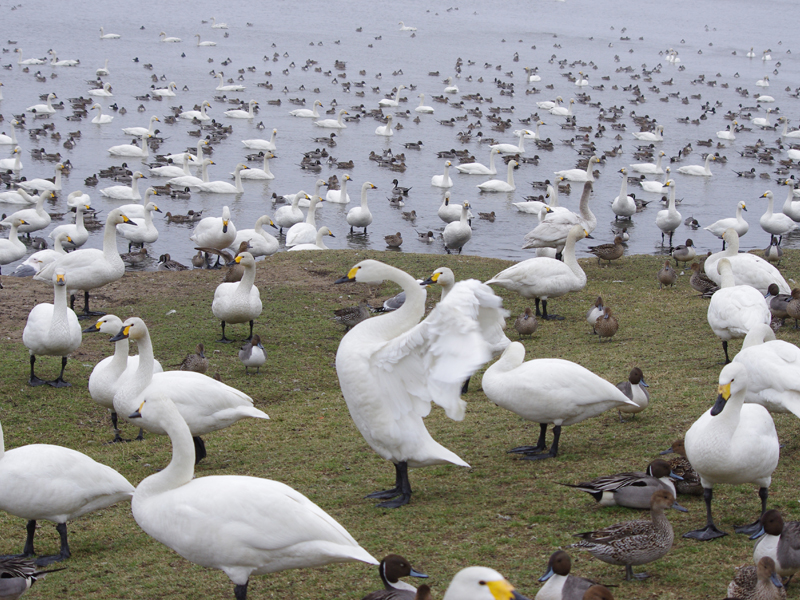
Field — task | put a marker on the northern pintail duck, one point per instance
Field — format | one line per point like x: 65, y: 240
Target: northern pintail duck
x: 606, y: 325
x: 636, y: 389
x: 689, y: 482
x: 351, y: 316
x: 598, y: 592
x: 253, y: 354
x: 608, y: 252
x: 757, y: 583
x: 777, y: 302
x: 700, y: 281
x: 733, y: 443
x: 633, y: 489
x: 559, y: 584
x: 633, y: 542
x: 780, y: 542
x: 684, y: 252
x: 392, y: 568
x: 526, y: 323
x: 196, y: 361
x: 773, y: 252
x: 17, y: 575
x: 793, y: 307
x: 394, y: 241
x: 666, y: 276
x: 165, y: 263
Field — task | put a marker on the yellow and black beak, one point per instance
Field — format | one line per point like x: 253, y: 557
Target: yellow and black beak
x: 224, y: 226
x: 92, y: 328
x: 722, y: 399
x: 431, y: 280
x: 502, y: 590
x: 122, y: 335
x: 350, y: 277
x: 137, y: 414
x: 238, y: 259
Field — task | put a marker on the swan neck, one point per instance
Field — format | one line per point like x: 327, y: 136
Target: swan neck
x: 110, y: 241
x: 413, y: 308
x: 144, y: 372
x: 671, y: 206
x: 237, y: 178
x: 510, y: 174
x: 180, y: 470
x: 266, y: 164
x: 59, y: 308
x: 624, y: 189
x: 570, y: 260
x: 364, y: 198
x: 311, y: 217
x: 121, y: 351
x: 770, y: 204
x: 248, y: 278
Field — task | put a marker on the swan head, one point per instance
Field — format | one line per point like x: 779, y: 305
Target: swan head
x: 134, y: 329
x: 245, y: 259
x: 59, y: 278
x: 481, y: 583
x: 116, y: 217
x: 742, y: 205
x: 732, y: 380
x: 766, y: 194
x: 105, y: 324
x: 369, y: 186
x: 367, y: 271
x: 441, y: 276
x: 513, y: 356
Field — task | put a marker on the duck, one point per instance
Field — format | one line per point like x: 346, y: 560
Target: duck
x: 200, y: 115
x: 777, y: 302
x: 90, y: 268
x: 498, y: 185
x: 579, y: 175
x: 52, y: 330
x: 511, y: 148
x: 130, y: 150
x: 259, y: 144
x: 735, y: 309
x: 360, y: 216
x: 373, y: 363
x: 529, y: 389
x: 223, y: 187
x: 700, y: 281
x: 650, y: 136
x: 215, y: 232
x: 351, y: 316
x: 737, y: 223
x: 554, y: 226
x: 340, y: 196
x: 101, y: 119
x: 262, y: 173
x: 306, y: 113
x: 760, y: 582
x: 423, y: 108
x: 333, y: 123
x: 666, y: 276
x: 689, y: 482
x: 125, y: 192
x: 57, y: 484
x: 697, y: 170
x: 17, y: 576
x: 632, y: 543
x: 543, y: 277
x: 305, y: 232
x: 385, y: 130
x: 748, y: 269
x: 635, y: 389
x: 237, y: 113
x: 719, y: 445
x: 141, y: 230
x: 773, y: 223
x: 608, y: 252
x: 606, y: 325
x: 260, y: 242
x: 392, y: 102
x: 558, y: 583
x: 31, y: 219
x: 11, y: 248
x: 656, y: 187
x: 286, y: 216
x: 670, y: 219
x: 252, y: 354
x: 444, y: 180
x: 238, y: 302
x: 457, y: 233
x: 391, y: 569
x: 223, y: 512
x: 779, y: 542
x: 112, y: 371
x: 318, y: 243
x: 475, y: 168
x: 772, y: 378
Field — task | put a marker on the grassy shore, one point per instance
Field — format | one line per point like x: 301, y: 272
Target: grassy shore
x: 503, y: 512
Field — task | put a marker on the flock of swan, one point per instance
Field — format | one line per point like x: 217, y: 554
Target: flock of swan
x: 393, y: 367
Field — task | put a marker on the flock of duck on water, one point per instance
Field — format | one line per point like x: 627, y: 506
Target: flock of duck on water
x: 391, y: 367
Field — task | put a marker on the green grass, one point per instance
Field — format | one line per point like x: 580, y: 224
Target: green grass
x: 502, y: 512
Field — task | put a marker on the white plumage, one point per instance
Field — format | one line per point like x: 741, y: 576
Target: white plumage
x: 238, y: 302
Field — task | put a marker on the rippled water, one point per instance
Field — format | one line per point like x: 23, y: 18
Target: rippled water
x: 705, y: 34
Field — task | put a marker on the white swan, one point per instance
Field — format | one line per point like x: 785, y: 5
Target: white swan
x: 52, y: 330
x: 480, y: 583
x: 215, y: 25
x: 11, y: 248
x: 649, y: 168
x: 751, y: 54
x: 54, y: 62
x: 554, y: 228
x: 457, y: 233
x: 194, y: 159
x: 142, y: 230
x: 40, y: 259
x: 10, y: 140
x: 728, y: 133
x: 498, y: 185
x: 102, y: 92
x: 260, y: 242
x: 543, y: 277
x: 548, y: 390
x: 650, y: 136
x: 14, y: 163
x: 237, y: 113
x: 254, y: 173
x: 90, y: 268
x: 532, y: 75
x: 242, y: 525
x: 203, y: 44
x: 697, y: 170
x: 52, y: 483
x: 140, y: 131
x: 191, y: 180
x: 670, y: 219
x: 560, y: 111
x: 404, y: 27
x: 360, y: 216
x: 286, y: 216
x: 478, y: 168
x: 392, y: 103
x: 200, y: 115
x: 623, y: 205
x: 786, y: 133
x: 511, y: 148
x: 125, y: 192
x: 772, y: 222
x: 423, y: 108
x: 333, y: 123
x: 748, y: 269
x: 238, y: 302
x: 167, y: 92
x: 28, y: 61
x: 215, y: 232
x: 221, y: 87
x: 318, y: 243
x: 306, y: 113
x: 129, y: 150
x: 579, y: 175
x: 531, y: 135
x: 657, y: 187
x: 43, y: 109
x: 392, y: 367
x: 35, y: 218
x: 172, y: 170
x: 443, y: 181
x: 449, y: 211
x: 790, y: 209
x: 721, y: 445
x: 580, y: 81
x: 17, y: 197
x: 168, y: 40
x: 113, y: 371
x: 101, y: 119
x: 223, y: 187
x: 735, y: 309
x: 108, y: 36
x: 548, y: 104
x: 304, y: 233
x: 339, y: 196
x: 451, y: 88
x: 534, y: 207
x: 257, y: 144
x: 385, y: 130
x: 40, y: 184
x: 718, y: 228
x: 762, y: 122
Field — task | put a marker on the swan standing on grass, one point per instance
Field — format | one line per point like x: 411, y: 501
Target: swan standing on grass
x: 777, y: 224
x: 223, y: 187
x: 306, y: 113
x: 360, y: 216
x: 260, y: 243
x: 101, y: 119
x: 392, y: 367
x: 52, y: 483
x: 543, y: 277
x: 478, y: 168
x: 125, y: 192
x: 548, y: 390
x: 52, y: 330
x: 244, y: 526
x: 215, y: 232
x: 90, y: 268
x: 498, y: 185
x: 332, y: 123
x: 443, y: 181
x: 238, y: 302
x: 720, y: 445
x: 748, y: 269
x: 130, y: 150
